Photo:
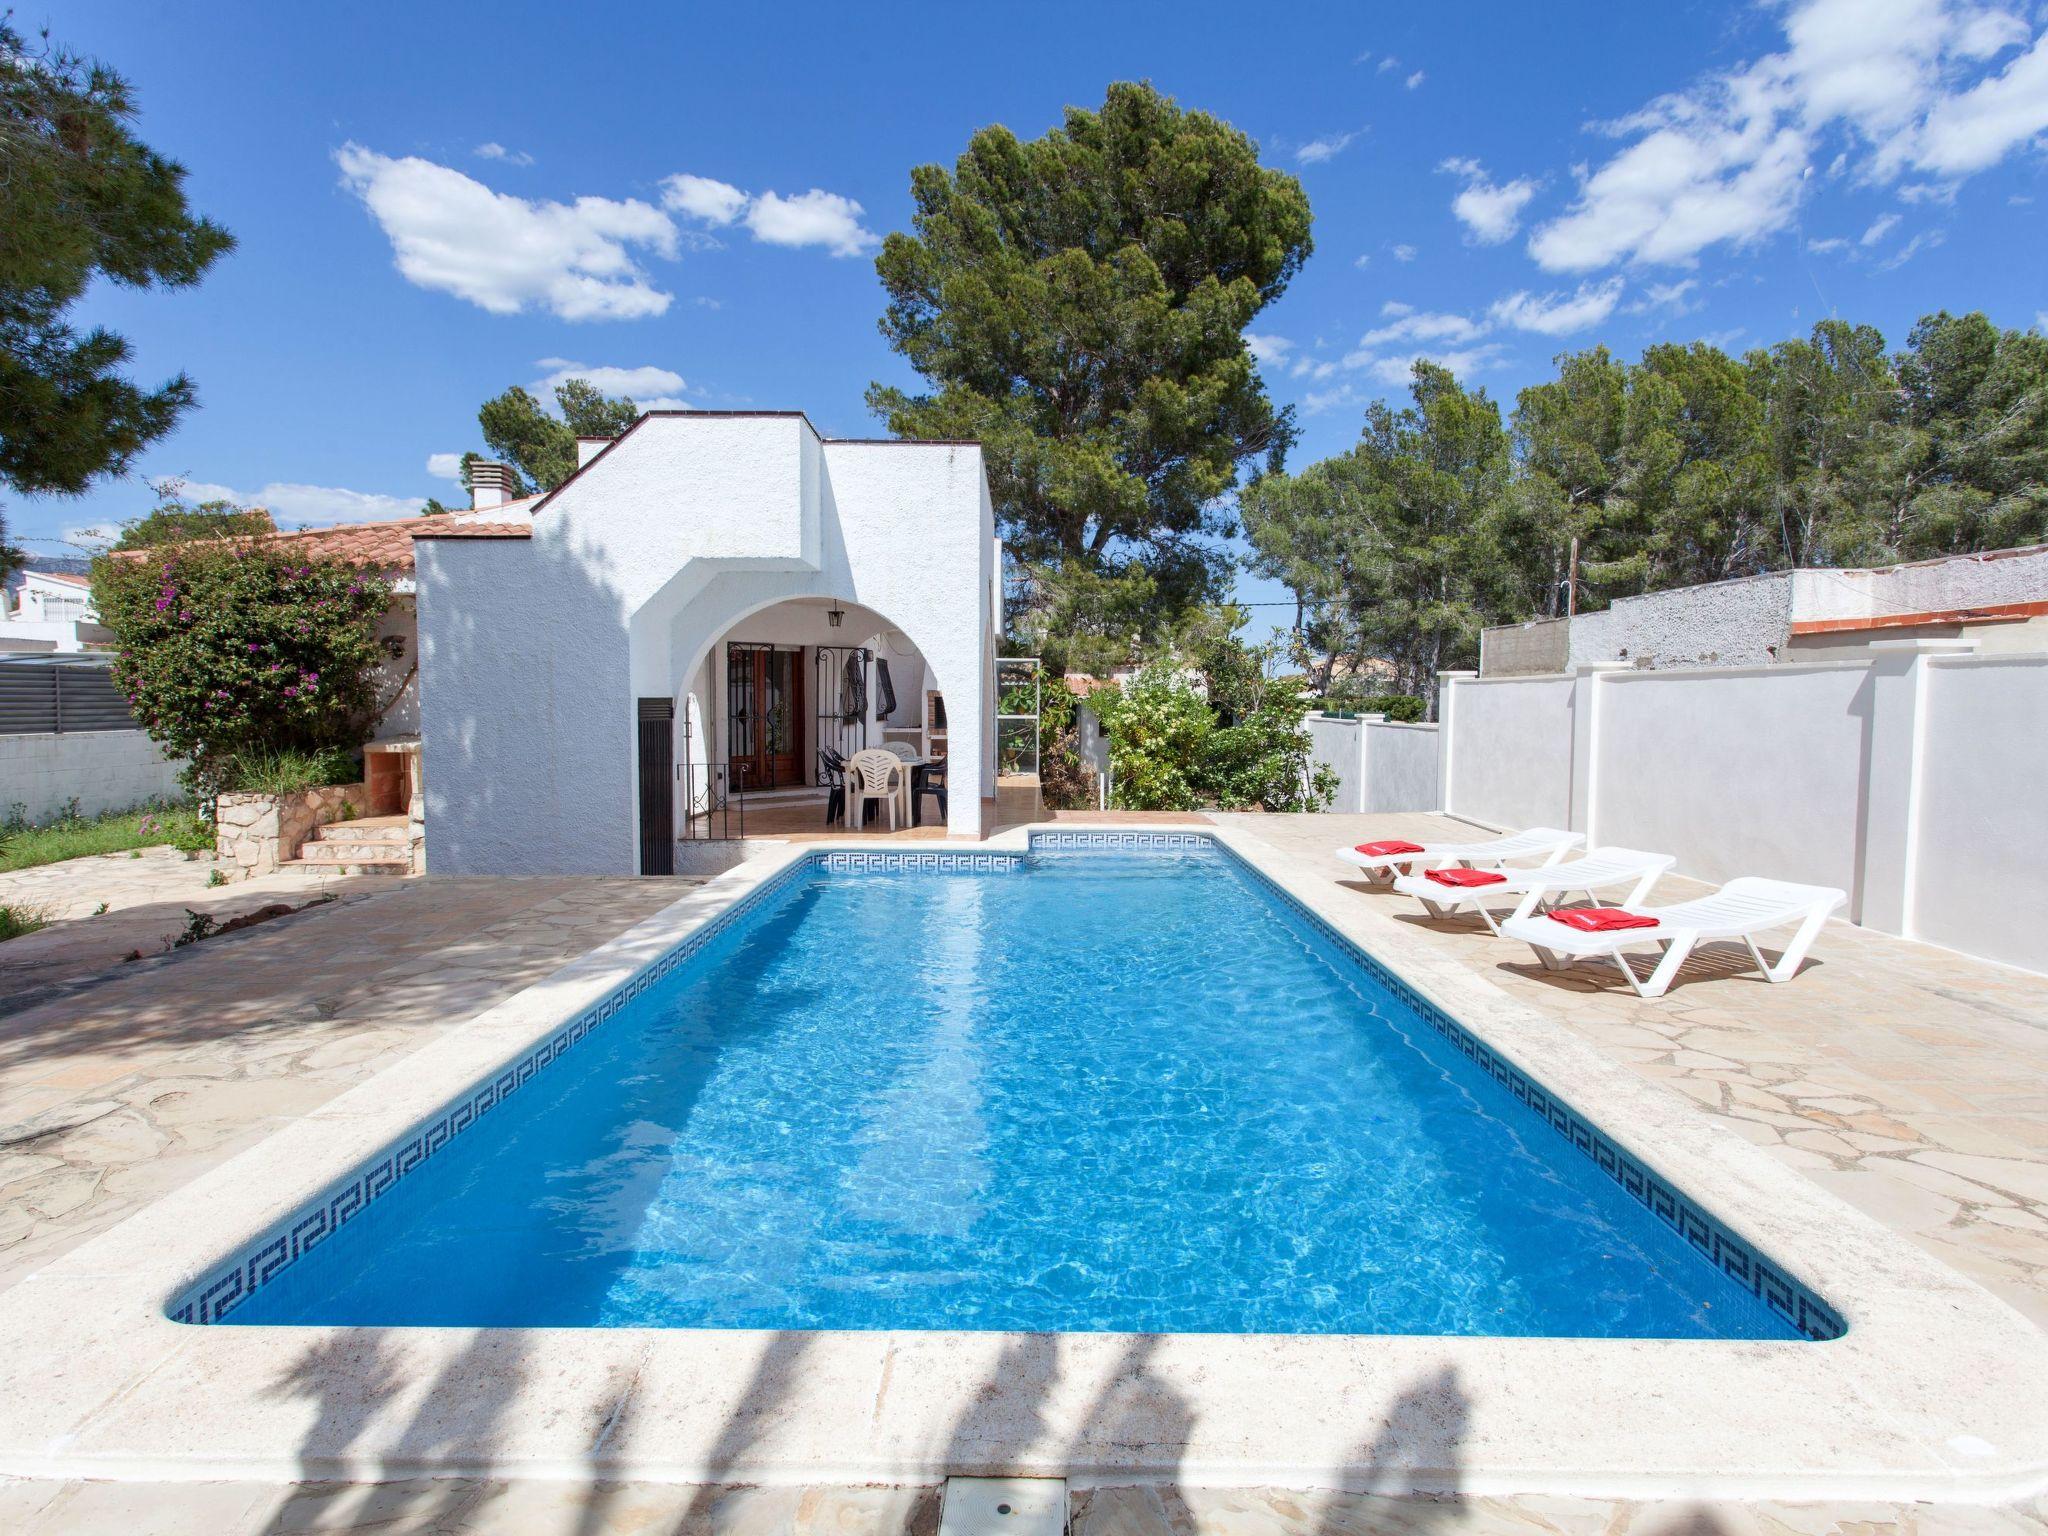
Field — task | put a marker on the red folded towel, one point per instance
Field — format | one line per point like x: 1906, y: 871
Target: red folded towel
x: 1466, y: 877
x: 1601, y: 919
x: 1389, y: 847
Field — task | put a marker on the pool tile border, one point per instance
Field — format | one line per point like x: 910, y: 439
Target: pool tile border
x: 1708, y: 1235
x: 263, y: 1261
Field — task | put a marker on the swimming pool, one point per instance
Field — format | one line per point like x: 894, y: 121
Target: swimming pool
x: 1125, y: 1088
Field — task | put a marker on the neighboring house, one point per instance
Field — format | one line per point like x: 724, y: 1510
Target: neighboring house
x: 50, y: 611
x: 702, y: 609
x: 1999, y: 599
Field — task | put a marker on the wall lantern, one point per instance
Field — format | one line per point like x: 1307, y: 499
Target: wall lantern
x: 835, y: 615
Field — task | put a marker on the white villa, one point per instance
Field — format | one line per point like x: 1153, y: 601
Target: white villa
x: 712, y: 603
x: 50, y: 611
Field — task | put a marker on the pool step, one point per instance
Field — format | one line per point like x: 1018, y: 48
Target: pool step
x: 1004, y: 1506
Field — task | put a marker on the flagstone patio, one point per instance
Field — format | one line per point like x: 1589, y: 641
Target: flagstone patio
x: 1905, y: 1079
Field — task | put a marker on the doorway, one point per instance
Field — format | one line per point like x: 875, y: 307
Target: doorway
x: 764, y: 700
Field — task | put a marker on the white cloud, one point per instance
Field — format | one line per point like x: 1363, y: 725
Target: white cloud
x: 1407, y: 324
x: 811, y: 218
x: 715, y: 202
x: 1917, y: 192
x: 1316, y: 401
x: 1491, y: 213
x: 1558, y: 314
x: 2041, y: 320
x: 507, y: 254
x: 703, y: 303
x: 1414, y: 80
x: 1926, y: 240
x: 1827, y: 247
x: 445, y: 466
x: 1363, y: 58
x: 291, y: 504
x: 1880, y: 226
x: 1976, y: 128
x: 1676, y: 297
x: 649, y: 387
x: 1404, y: 253
x: 815, y: 217
x: 1388, y: 64
x: 1362, y: 262
x: 1315, y: 151
x: 495, y: 151
x: 1397, y: 368
x: 1269, y: 350
x: 1904, y: 82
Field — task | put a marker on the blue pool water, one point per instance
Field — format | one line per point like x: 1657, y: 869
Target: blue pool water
x: 1106, y: 1090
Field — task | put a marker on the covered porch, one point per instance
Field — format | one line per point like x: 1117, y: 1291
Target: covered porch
x: 778, y: 705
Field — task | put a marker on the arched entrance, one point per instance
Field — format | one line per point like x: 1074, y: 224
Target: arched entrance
x: 770, y: 708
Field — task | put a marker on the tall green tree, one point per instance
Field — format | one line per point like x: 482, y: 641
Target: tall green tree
x: 1694, y: 468
x: 1830, y: 405
x: 1077, y: 302
x: 173, y: 520
x: 540, y: 445
x: 81, y: 197
x: 1569, y: 522
x: 1400, y: 535
x: 1973, y: 464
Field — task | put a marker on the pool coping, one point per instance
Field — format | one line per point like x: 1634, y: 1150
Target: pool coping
x: 1932, y: 1394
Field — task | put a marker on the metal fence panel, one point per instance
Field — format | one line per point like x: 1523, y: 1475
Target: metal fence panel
x: 40, y: 696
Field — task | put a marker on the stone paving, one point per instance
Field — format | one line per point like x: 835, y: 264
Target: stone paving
x: 113, y: 1095
x: 1910, y: 1081
x: 1907, y: 1080
x: 105, y: 908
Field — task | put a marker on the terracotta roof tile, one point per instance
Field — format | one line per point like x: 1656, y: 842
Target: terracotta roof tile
x: 385, y: 546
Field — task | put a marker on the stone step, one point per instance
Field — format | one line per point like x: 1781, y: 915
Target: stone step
x: 378, y: 866
x: 338, y: 850
x: 383, y: 830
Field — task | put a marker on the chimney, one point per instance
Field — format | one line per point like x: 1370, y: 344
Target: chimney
x: 588, y: 448
x: 490, y: 485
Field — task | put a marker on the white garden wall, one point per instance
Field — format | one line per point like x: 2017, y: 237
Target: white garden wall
x: 1381, y: 765
x: 1911, y: 780
x: 1512, y: 749
x: 102, y: 770
x: 1753, y: 771
x: 1981, y: 843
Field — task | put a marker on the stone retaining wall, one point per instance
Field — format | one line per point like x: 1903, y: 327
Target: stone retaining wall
x: 255, y: 834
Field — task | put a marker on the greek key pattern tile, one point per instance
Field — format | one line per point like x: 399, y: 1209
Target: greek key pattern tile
x: 1121, y: 840
x: 1798, y: 1305
x: 851, y: 860
x: 260, y: 1263
x: 263, y: 1261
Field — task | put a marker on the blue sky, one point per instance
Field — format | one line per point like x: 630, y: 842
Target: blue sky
x: 434, y: 202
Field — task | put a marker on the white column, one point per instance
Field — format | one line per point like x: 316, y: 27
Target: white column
x: 1891, y: 797
x: 1365, y: 725
x: 1586, y: 692
x: 1446, y: 733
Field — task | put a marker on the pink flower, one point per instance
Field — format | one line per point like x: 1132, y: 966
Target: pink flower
x: 291, y: 693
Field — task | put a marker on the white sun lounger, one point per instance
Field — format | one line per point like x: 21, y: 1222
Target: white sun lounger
x: 1741, y: 909
x: 1538, y: 889
x: 1549, y: 843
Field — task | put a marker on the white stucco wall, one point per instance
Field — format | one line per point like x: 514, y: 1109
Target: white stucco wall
x: 533, y: 652
x: 1336, y: 744
x: 1979, y: 878
x: 1511, y: 764
x: 1738, y: 771
x: 1400, y: 767
x: 103, y: 770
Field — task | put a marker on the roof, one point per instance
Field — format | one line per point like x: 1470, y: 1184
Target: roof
x: 69, y: 578
x: 1081, y: 685
x: 384, y: 546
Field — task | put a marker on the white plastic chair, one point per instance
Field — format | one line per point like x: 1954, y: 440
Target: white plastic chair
x: 874, y: 774
x: 1550, y: 843
x: 1546, y: 887
x: 1741, y: 909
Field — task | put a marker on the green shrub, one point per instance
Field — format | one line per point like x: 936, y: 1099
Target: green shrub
x: 1405, y: 707
x: 1169, y: 752
x: 73, y: 836
x: 232, y: 650
x: 21, y: 918
x: 287, y: 771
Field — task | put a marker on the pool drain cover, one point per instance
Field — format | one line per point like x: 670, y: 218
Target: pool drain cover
x: 1004, y: 1506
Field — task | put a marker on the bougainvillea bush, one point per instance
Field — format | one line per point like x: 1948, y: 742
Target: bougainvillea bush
x: 239, y: 649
